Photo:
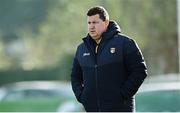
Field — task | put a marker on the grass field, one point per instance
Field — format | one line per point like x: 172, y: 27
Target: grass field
x: 31, y: 105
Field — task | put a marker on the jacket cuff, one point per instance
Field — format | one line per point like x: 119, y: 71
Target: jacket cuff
x: 79, y: 98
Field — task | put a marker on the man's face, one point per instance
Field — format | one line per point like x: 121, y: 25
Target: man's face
x: 96, y: 26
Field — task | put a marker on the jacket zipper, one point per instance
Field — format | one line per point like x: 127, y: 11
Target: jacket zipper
x: 98, y: 101
x: 96, y: 76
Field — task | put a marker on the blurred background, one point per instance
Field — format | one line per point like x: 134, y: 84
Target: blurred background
x: 38, y: 38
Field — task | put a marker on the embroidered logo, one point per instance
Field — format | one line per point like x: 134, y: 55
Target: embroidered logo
x: 112, y: 50
x: 86, y: 54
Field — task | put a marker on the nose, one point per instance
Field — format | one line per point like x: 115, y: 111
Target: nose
x: 91, y: 26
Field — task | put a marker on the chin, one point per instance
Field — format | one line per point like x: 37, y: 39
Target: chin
x: 93, y: 36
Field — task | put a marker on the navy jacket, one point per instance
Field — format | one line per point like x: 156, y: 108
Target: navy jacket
x: 108, y: 80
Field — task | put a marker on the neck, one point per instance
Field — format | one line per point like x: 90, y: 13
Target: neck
x: 98, y: 40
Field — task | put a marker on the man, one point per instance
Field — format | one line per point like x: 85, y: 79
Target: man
x: 108, y: 66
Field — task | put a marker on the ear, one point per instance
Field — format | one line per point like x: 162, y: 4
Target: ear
x: 106, y: 23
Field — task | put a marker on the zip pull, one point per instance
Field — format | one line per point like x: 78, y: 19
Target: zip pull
x: 96, y: 50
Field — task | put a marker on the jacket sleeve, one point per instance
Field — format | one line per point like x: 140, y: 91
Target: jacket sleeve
x: 76, y: 79
x: 135, y: 67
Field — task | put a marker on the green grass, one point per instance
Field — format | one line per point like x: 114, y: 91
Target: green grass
x: 31, y: 105
x: 159, y: 101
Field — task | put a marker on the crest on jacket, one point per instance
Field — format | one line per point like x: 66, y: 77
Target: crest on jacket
x: 112, y: 50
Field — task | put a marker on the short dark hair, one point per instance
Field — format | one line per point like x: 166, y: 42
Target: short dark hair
x: 103, y: 14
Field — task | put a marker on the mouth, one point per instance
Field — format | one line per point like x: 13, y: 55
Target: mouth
x: 92, y: 31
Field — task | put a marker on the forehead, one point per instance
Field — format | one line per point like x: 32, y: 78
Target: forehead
x: 93, y: 17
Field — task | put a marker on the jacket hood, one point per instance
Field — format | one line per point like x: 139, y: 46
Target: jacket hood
x: 113, y: 28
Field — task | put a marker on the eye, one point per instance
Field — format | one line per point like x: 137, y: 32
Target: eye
x: 95, y: 22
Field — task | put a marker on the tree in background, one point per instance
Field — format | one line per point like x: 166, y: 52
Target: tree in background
x: 46, y: 32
